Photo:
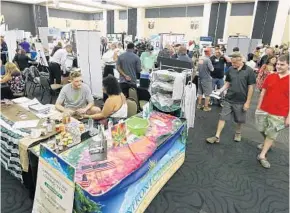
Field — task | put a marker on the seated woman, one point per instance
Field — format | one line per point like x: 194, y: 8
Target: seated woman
x: 13, y: 78
x: 115, y: 105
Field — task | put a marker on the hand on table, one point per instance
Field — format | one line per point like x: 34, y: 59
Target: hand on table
x: 69, y: 111
x: 81, y: 111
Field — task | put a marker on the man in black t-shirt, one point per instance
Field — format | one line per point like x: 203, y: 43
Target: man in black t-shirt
x: 218, y: 61
x: 240, y: 80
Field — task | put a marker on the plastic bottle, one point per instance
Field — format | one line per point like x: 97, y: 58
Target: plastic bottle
x: 49, y: 125
x: 90, y: 124
x: 110, y: 126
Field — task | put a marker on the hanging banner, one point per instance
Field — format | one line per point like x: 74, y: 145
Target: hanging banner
x: 55, y: 184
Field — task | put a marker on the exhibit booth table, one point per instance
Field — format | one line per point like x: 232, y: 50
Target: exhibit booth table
x: 135, y: 170
x: 16, y: 141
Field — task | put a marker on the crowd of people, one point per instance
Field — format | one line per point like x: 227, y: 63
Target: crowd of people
x: 232, y: 78
x: 268, y: 72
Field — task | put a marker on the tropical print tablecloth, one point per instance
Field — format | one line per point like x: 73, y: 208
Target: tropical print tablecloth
x: 100, y: 177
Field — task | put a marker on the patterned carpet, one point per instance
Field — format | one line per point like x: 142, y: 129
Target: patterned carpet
x: 224, y: 178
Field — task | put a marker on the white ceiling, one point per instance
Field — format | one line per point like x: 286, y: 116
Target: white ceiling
x: 91, y: 6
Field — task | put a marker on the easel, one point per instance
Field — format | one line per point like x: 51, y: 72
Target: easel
x: 41, y: 64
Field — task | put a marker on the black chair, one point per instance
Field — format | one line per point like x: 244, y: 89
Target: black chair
x: 52, y: 89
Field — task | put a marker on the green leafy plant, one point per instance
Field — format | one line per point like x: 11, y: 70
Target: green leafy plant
x: 83, y: 204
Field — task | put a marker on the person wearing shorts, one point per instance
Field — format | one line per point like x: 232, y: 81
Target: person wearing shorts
x: 274, y: 105
x: 240, y: 80
x: 205, y: 67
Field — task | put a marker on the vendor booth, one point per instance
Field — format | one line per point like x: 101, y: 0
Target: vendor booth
x: 124, y: 176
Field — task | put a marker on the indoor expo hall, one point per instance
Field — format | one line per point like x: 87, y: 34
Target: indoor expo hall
x: 118, y: 106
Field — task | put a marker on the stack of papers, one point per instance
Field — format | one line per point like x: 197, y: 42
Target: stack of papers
x: 21, y: 100
x: 25, y: 124
x: 39, y: 108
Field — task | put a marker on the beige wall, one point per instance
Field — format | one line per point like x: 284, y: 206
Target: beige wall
x: 120, y: 26
x: 74, y: 24
x: 286, y: 36
x: 174, y: 25
x: 240, y: 24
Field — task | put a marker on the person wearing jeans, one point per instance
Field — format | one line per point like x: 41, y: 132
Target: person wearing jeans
x: 218, y: 61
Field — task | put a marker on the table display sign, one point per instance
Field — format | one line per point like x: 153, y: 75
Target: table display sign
x: 55, y: 184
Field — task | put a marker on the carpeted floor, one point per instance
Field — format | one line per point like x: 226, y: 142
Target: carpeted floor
x: 223, y: 178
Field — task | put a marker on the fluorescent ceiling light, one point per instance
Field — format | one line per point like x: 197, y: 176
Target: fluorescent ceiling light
x: 75, y: 7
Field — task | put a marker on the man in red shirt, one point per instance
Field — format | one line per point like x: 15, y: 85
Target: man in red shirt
x: 272, y: 113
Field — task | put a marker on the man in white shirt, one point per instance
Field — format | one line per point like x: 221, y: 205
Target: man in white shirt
x: 58, y: 63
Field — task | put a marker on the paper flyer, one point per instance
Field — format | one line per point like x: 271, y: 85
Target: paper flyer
x: 55, y: 184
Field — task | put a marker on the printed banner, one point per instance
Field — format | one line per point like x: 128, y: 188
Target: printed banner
x: 55, y: 184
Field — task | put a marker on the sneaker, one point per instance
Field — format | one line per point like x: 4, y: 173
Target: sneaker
x: 199, y: 106
x: 238, y: 137
x: 206, y: 109
x: 264, y: 162
x: 213, y: 140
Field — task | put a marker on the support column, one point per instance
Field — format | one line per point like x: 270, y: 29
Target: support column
x: 116, y: 21
x: 132, y: 22
x: 228, y: 14
x: 140, y: 22
x: 104, y: 30
x: 280, y: 22
x: 254, y: 15
x: 205, y: 20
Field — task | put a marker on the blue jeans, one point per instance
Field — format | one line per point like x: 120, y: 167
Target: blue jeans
x: 219, y: 82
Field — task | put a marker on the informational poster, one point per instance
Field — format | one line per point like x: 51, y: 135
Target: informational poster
x: 55, y: 184
x: 40, y: 54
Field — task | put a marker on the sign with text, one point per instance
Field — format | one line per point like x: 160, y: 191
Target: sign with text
x: 55, y: 184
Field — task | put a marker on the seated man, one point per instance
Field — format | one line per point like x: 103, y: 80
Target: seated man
x: 76, y: 97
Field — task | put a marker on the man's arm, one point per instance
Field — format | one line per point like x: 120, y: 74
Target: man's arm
x: 210, y: 66
x: 261, y: 98
x: 225, y: 87
x: 251, y: 82
x: 228, y: 59
x: 250, y: 93
x: 138, y: 65
x: 120, y: 70
x: 59, y: 101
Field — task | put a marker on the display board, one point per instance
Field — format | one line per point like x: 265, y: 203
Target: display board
x: 89, y: 59
x: 205, y: 41
x: 11, y: 38
x: 155, y: 41
x: 55, y: 184
x: 40, y: 54
x: 246, y: 45
x: 171, y: 38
